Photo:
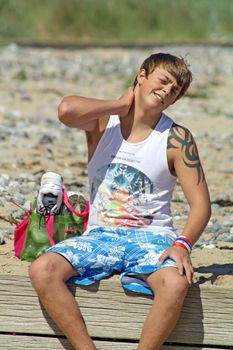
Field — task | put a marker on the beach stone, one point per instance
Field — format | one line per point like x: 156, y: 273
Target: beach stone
x: 228, y: 223
x: 46, y: 138
x: 18, y: 214
x: 223, y: 230
x: 19, y: 132
x: 215, y: 207
x: 4, y: 180
x: 212, y: 220
x: 213, y: 228
x: 225, y: 238
x: 2, y: 238
x: 3, y: 135
x: 18, y: 199
x: 179, y: 197
x: 222, y: 197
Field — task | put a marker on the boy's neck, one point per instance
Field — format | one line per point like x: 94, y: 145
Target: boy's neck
x: 138, y: 124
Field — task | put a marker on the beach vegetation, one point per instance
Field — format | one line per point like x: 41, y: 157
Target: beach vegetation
x: 116, y: 22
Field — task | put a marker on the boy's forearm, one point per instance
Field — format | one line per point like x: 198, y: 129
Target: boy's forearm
x: 76, y: 111
x: 196, y: 222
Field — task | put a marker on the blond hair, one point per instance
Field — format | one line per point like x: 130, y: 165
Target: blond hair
x: 176, y: 66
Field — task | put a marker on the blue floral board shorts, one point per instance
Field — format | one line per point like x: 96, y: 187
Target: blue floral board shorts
x: 103, y: 252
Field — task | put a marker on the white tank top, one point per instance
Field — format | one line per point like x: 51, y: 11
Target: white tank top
x: 130, y: 183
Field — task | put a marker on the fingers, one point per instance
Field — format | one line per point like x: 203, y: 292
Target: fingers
x: 188, y: 271
x: 126, y: 101
x: 185, y: 268
x: 130, y: 91
x: 182, y: 259
x: 163, y: 256
x: 180, y: 268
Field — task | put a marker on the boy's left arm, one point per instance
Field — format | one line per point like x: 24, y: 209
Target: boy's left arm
x: 183, y: 155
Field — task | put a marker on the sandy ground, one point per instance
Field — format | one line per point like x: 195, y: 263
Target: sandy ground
x: 213, y: 264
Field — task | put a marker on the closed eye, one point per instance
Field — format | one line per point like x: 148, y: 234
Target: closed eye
x: 174, y: 91
x: 163, y: 81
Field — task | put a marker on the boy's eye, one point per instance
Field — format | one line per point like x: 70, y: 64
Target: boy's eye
x: 174, y: 91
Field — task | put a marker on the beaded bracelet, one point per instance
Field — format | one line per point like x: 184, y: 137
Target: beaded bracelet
x: 183, y: 242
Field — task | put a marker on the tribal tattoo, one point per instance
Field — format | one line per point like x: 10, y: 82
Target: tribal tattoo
x: 188, y: 147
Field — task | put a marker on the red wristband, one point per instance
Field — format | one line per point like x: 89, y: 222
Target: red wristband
x: 186, y: 239
x: 180, y: 244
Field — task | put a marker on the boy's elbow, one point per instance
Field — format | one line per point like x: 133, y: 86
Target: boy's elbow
x: 205, y: 203
x: 63, y: 111
x: 209, y: 211
x: 206, y: 212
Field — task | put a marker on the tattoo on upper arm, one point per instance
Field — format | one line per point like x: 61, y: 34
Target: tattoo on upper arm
x: 185, y: 141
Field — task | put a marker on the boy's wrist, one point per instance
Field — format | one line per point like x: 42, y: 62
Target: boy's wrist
x: 186, y: 239
x: 184, y: 242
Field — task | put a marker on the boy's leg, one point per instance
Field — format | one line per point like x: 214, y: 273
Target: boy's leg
x: 48, y: 275
x: 170, y: 289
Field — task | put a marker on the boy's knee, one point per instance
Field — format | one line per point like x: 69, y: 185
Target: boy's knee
x: 41, y: 271
x: 176, y: 287
x: 171, y: 288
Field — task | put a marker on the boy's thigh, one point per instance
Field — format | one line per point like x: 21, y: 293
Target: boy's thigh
x: 86, y: 253
x: 142, y: 257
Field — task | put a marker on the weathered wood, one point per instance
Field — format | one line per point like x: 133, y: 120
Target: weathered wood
x: 11, y: 342
x: 14, y: 342
x: 207, y: 316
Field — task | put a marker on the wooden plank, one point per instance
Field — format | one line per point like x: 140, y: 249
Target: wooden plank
x: 13, y: 342
x: 8, y: 342
x: 110, y: 312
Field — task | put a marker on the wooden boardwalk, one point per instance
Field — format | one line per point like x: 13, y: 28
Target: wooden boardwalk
x: 113, y: 317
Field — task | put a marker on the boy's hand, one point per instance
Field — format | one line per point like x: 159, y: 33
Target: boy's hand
x: 126, y: 101
x: 183, y: 260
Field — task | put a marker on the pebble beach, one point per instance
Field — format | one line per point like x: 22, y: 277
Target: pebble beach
x: 32, y: 83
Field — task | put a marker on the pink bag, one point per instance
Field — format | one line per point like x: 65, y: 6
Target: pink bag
x: 20, y: 232
x: 84, y: 214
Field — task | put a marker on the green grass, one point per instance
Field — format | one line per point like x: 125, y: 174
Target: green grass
x: 116, y: 21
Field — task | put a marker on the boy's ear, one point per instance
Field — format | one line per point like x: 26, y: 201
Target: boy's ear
x: 141, y: 76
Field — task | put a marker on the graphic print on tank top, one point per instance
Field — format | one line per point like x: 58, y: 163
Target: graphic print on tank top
x: 119, y: 195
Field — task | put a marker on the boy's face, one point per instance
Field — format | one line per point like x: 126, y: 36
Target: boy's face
x: 160, y: 88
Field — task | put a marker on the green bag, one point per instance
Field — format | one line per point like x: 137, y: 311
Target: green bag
x: 42, y: 232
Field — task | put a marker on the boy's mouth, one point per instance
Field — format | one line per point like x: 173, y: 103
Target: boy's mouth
x: 160, y: 98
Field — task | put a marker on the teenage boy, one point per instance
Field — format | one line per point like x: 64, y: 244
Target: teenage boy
x: 135, y: 153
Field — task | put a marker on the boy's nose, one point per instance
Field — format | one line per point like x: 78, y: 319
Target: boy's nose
x: 166, y: 90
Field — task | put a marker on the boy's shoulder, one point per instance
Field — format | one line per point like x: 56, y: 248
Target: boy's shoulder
x: 179, y: 134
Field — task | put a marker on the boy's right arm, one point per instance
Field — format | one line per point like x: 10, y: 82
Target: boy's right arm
x: 84, y: 113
